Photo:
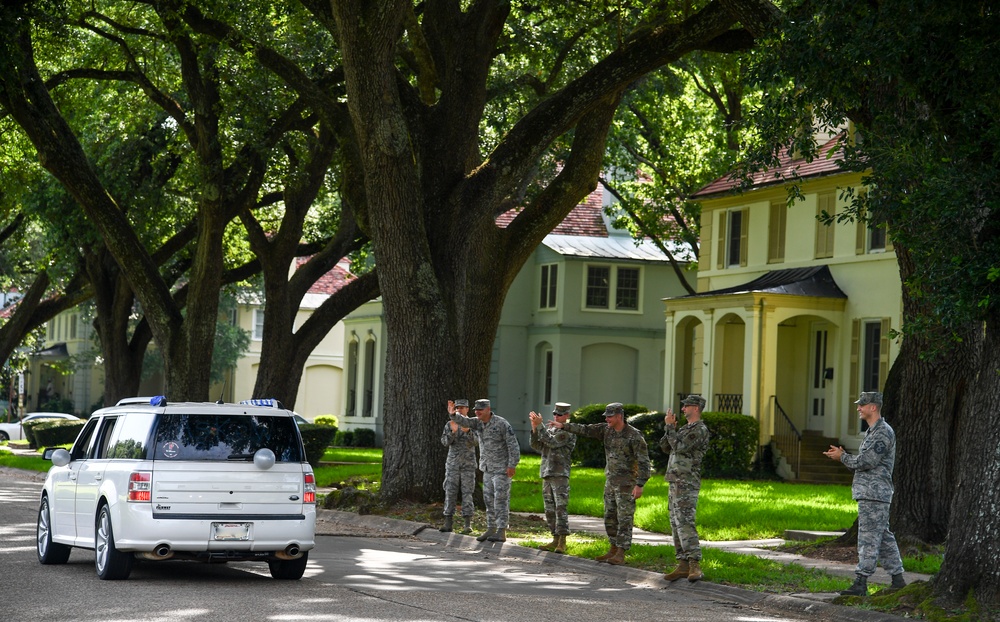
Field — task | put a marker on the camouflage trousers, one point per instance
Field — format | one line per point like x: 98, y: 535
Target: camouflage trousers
x: 496, y: 493
x: 555, y: 496
x: 875, y: 542
x: 682, y: 502
x: 619, y: 512
x: 455, y: 481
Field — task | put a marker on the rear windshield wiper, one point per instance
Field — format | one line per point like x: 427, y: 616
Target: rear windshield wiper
x: 245, y: 457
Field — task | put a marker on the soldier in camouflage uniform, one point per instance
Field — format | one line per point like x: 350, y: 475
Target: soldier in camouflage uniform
x: 687, y: 447
x: 556, y: 447
x: 872, y: 489
x: 459, y: 468
x: 499, y: 454
x: 625, y: 475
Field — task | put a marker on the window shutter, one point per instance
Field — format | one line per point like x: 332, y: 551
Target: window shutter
x: 744, y: 228
x: 852, y: 419
x: 861, y: 235
x: 720, y: 261
x: 776, y: 233
x: 825, y: 202
x: 883, y: 352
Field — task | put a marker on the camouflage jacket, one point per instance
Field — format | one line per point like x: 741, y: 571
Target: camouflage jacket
x: 873, y: 464
x: 498, y: 448
x: 461, y: 448
x: 625, y: 451
x: 687, y: 446
x: 556, y: 447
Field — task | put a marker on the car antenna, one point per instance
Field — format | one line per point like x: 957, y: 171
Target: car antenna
x: 222, y: 391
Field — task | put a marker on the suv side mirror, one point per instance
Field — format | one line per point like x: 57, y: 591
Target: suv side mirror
x: 58, y: 456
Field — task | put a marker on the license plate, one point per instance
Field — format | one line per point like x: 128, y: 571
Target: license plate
x: 230, y: 531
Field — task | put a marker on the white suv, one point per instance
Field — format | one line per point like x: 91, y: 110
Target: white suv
x: 211, y: 482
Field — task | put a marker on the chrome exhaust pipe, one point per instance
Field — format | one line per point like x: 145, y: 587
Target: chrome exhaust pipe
x: 291, y: 552
x: 160, y: 553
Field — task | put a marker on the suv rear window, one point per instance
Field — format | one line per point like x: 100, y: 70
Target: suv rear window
x: 225, y: 437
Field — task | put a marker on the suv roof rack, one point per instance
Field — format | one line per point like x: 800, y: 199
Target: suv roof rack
x: 156, y: 400
x: 270, y: 402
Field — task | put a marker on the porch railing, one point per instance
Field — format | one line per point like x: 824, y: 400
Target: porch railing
x: 787, y: 437
x: 729, y: 402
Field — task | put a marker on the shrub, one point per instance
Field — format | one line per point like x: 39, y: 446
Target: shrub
x: 344, y: 438
x: 328, y: 420
x: 316, y: 438
x: 50, y: 432
x: 589, y: 452
x: 57, y: 405
x: 733, y: 445
x: 363, y: 437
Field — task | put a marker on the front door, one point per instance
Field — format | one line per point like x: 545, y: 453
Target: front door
x: 818, y: 381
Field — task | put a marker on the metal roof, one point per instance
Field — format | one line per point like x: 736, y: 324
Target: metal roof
x: 815, y: 282
x: 614, y: 247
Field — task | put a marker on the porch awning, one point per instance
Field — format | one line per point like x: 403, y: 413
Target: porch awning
x: 814, y: 282
x: 55, y: 351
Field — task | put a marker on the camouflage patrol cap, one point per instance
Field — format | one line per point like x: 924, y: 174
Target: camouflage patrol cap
x: 562, y: 408
x: 614, y: 408
x: 694, y: 400
x: 461, y: 402
x: 870, y: 397
x: 482, y: 405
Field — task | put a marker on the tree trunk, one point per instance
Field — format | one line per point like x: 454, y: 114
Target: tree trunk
x: 925, y: 398
x: 972, y: 554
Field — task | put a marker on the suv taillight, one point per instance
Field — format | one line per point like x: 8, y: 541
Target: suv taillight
x: 309, y: 488
x: 140, y: 486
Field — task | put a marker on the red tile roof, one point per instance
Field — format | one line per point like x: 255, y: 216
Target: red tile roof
x: 584, y: 220
x: 827, y: 162
x: 333, y: 280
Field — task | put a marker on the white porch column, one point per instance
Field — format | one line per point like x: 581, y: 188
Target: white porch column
x: 761, y: 352
x: 708, y: 363
x: 670, y: 360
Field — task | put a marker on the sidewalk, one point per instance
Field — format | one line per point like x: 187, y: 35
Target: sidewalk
x: 818, y: 606
x: 758, y: 548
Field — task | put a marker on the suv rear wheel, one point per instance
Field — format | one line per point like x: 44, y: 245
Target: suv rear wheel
x: 288, y: 569
x: 49, y: 552
x: 111, y: 563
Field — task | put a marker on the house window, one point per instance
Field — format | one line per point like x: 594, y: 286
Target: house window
x: 258, y: 324
x: 623, y: 281
x: 825, y: 207
x: 369, y: 397
x: 871, y: 357
x: 598, y: 283
x: 548, y: 377
x: 547, y: 293
x: 352, y: 378
x: 776, y: 232
x: 732, y: 238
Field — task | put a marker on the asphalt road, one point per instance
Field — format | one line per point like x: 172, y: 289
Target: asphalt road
x: 412, y: 578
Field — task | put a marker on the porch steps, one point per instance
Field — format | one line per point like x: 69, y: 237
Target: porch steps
x: 814, y: 467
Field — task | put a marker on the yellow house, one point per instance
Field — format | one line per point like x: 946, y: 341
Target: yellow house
x: 792, y: 318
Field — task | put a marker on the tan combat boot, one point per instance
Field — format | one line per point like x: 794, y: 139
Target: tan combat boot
x: 551, y: 545
x: 679, y: 572
x: 561, y: 546
x: 468, y: 525
x: 618, y: 558
x: 694, y: 571
x: 499, y: 536
x: 486, y: 534
x: 610, y: 553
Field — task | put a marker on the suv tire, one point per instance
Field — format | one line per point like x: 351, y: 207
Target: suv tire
x: 288, y: 569
x: 49, y: 552
x: 111, y: 563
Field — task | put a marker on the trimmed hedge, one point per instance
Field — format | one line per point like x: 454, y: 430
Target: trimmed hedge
x: 327, y: 420
x: 363, y: 437
x: 316, y: 439
x: 344, y: 438
x: 589, y: 452
x: 732, y: 446
x: 51, y: 432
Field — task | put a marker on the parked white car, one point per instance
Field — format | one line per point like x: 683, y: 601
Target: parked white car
x: 147, y: 479
x: 14, y: 432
